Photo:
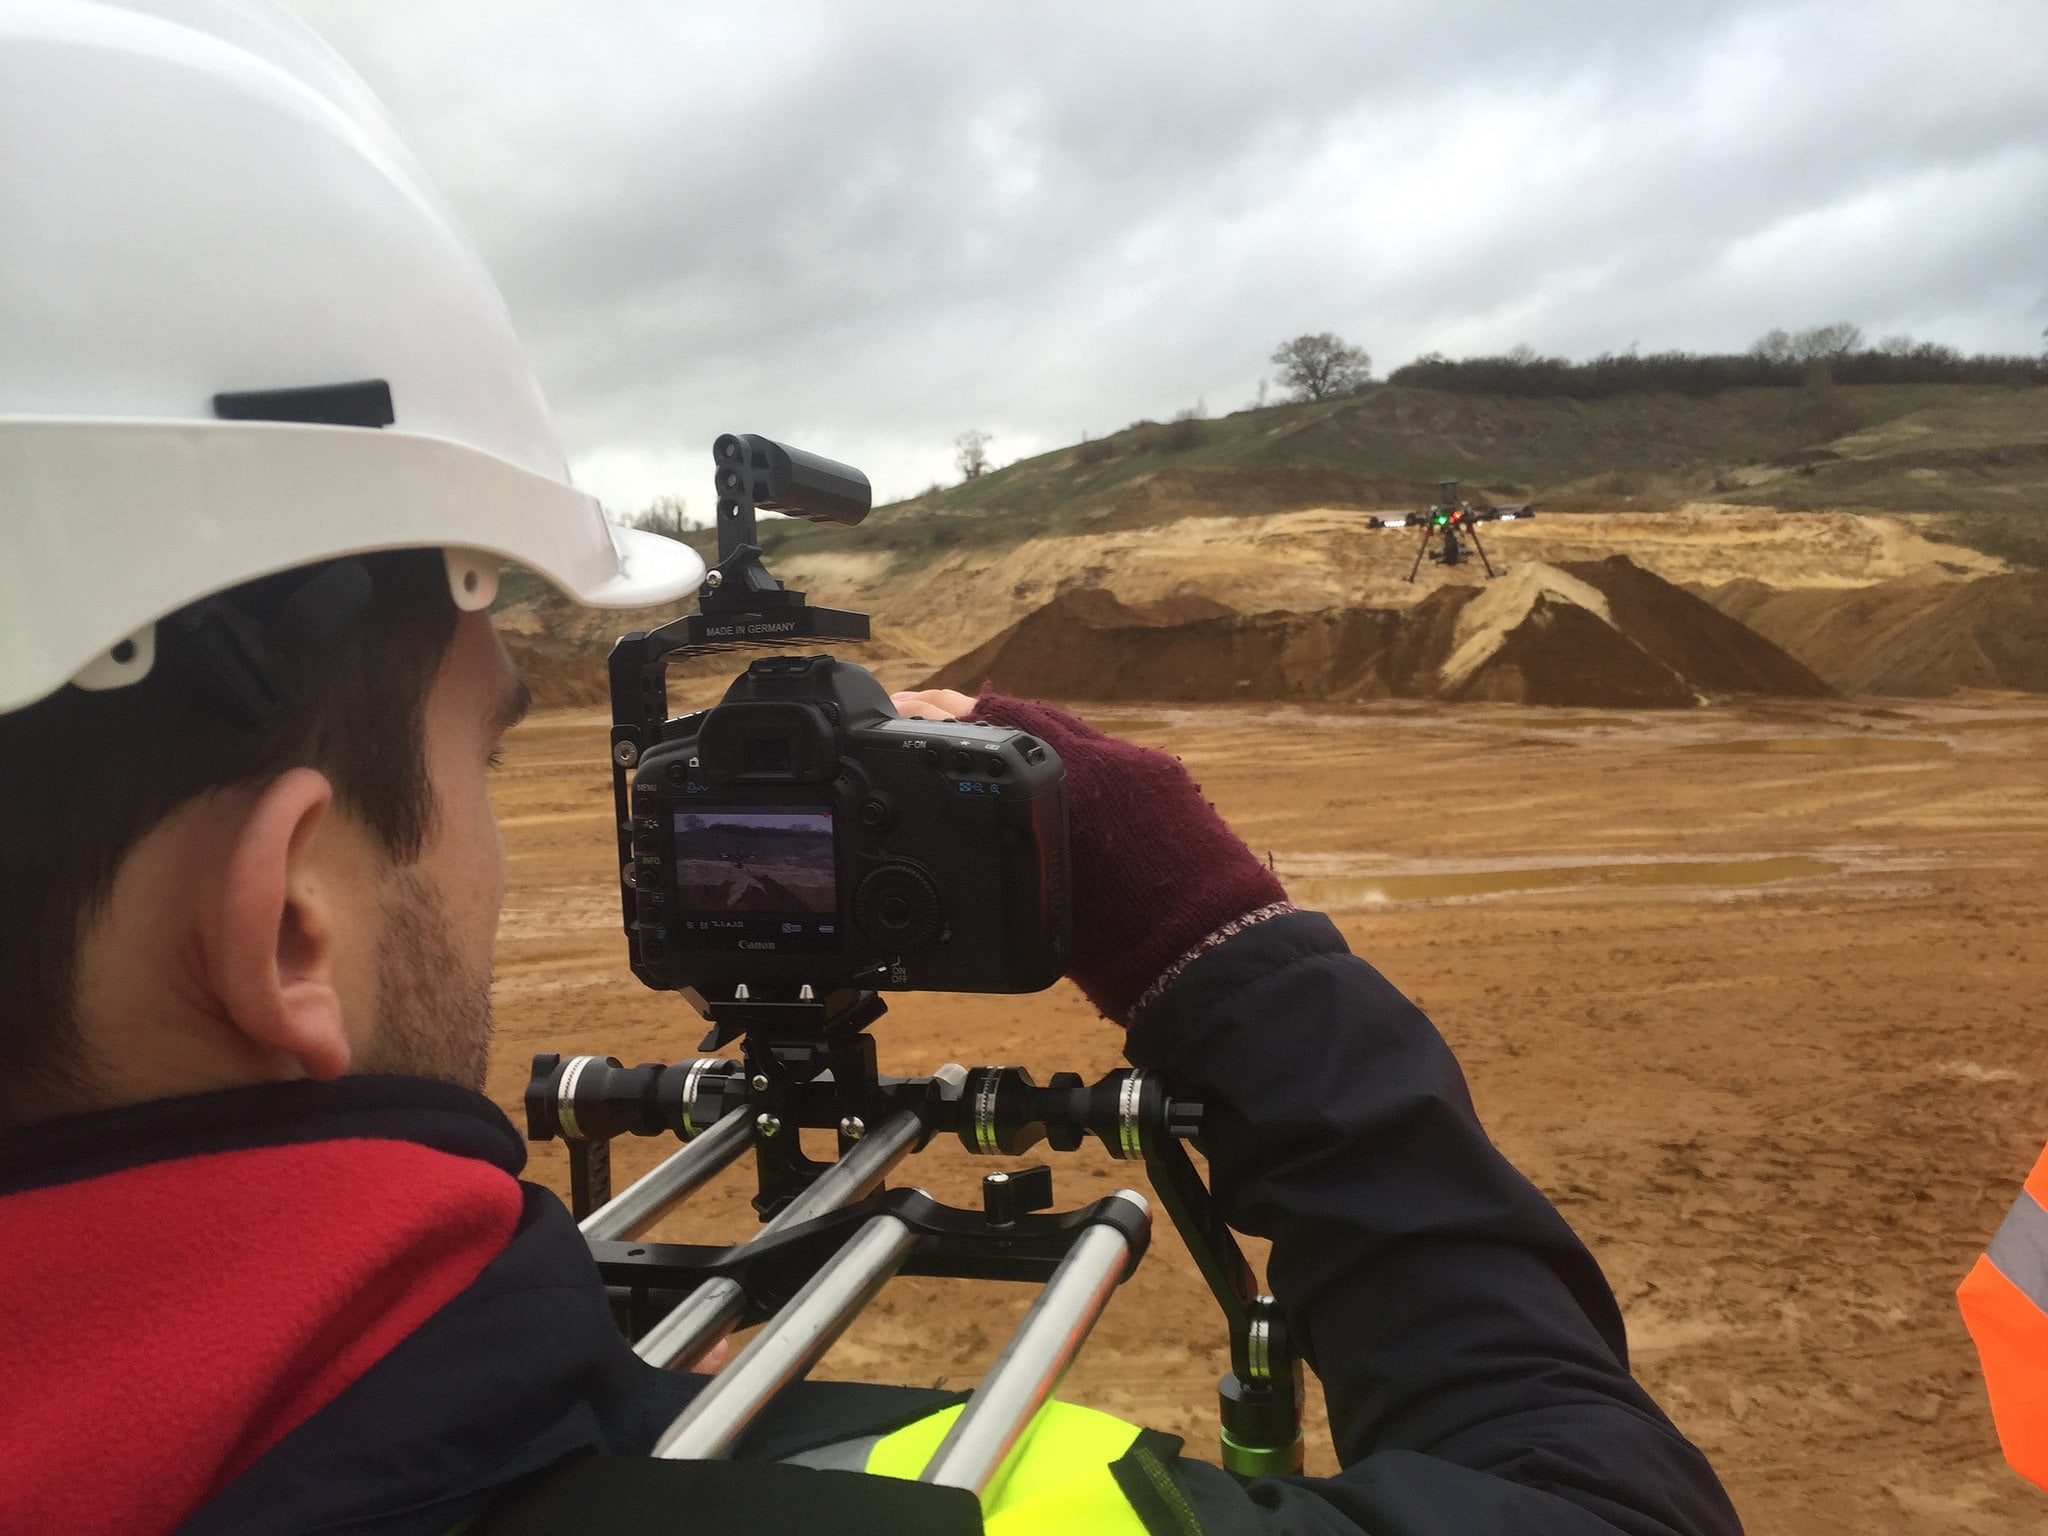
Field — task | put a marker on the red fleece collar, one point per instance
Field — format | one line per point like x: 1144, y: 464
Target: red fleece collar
x: 164, y: 1325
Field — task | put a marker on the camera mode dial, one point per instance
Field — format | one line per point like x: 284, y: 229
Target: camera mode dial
x: 897, y: 908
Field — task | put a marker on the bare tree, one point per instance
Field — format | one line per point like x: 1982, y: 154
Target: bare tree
x: 970, y: 452
x: 1774, y: 346
x: 1321, y: 366
x: 1820, y: 342
x: 668, y: 516
x: 1817, y: 343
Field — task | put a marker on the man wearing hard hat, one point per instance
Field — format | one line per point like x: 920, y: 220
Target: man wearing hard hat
x: 265, y: 440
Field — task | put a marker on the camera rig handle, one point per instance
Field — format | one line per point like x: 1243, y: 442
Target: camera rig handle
x: 740, y: 604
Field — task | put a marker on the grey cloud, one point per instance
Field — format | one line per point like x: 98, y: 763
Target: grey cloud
x: 870, y: 227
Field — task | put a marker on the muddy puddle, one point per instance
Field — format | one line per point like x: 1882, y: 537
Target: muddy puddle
x: 1533, y: 721
x: 1828, y: 746
x: 1331, y: 892
x: 1996, y: 723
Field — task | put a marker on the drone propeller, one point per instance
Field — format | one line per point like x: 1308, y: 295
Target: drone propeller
x: 1455, y: 516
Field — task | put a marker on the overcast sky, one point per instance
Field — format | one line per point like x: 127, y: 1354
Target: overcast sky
x: 867, y: 227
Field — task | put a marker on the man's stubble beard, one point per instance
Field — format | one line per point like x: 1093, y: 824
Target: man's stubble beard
x: 434, y: 1009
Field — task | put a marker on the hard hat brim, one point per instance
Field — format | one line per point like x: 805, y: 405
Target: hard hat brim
x: 113, y: 523
x: 652, y: 570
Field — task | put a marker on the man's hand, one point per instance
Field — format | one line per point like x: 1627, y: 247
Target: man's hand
x: 1156, y: 873
x: 932, y: 704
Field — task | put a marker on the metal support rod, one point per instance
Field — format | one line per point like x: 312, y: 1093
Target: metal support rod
x: 696, y: 1322
x: 1032, y: 1364
x: 789, y: 1344
x: 677, y: 1177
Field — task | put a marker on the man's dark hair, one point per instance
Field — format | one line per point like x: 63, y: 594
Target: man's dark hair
x: 84, y: 776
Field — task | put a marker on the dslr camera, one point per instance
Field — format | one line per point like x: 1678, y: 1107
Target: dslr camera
x: 800, y: 838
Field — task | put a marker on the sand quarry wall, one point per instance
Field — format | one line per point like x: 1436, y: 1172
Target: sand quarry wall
x: 1869, y: 604
x: 1328, y: 558
x: 1916, y: 637
x: 1593, y: 634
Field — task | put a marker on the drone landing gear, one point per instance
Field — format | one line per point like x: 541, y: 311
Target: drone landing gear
x: 1453, y: 553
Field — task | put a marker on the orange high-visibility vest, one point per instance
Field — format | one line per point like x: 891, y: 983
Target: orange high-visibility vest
x: 2005, y: 1303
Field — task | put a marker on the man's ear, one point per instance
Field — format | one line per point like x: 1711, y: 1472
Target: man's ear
x: 270, y: 939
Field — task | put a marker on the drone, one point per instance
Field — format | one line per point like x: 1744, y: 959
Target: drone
x: 1453, y: 523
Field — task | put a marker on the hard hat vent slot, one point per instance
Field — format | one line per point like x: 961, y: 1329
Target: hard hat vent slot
x: 360, y: 403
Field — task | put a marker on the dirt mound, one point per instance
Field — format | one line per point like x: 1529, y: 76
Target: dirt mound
x: 1609, y: 633
x: 566, y: 670
x: 1715, y: 653
x: 1543, y: 635
x: 1563, y: 654
x: 1085, y: 644
x: 563, y: 674
x: 1595, y: 634
x: 1914, y: 637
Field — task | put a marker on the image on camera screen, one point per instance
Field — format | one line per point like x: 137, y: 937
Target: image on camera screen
x: 753, y: 871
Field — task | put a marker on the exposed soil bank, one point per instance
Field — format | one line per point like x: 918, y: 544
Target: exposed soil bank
x: 1914, y: 637
x: 1589, y: 634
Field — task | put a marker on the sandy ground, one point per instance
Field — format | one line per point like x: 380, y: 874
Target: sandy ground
x: 1752, y: 992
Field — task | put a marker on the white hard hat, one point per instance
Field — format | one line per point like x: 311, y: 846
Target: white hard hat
x: 206, y: 218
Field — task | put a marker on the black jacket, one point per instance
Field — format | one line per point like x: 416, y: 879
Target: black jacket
x: 1471, y: 1353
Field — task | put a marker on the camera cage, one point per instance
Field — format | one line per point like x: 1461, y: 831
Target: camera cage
x: 832, y: 1233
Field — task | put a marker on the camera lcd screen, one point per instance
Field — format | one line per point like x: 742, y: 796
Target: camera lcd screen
x: 757, y: 877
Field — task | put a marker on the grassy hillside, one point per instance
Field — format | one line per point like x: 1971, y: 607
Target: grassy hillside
x: 1980, y: 452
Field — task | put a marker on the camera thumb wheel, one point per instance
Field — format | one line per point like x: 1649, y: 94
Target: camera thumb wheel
x: 897, y: 908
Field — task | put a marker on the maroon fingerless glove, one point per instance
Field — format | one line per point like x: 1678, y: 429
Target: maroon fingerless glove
x: 1156, y: 873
